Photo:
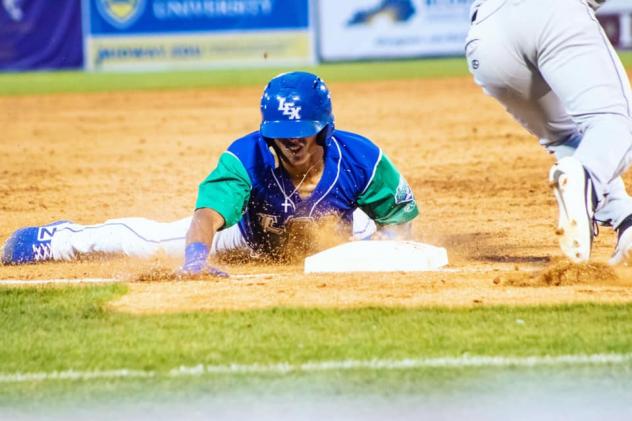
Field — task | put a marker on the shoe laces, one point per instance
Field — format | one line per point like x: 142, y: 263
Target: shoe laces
x: 595, y: 228
x: 42, y: 251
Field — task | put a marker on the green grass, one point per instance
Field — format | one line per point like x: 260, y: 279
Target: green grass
x: 77, y: 81
x: 68, y: 328
x: 626, y: 58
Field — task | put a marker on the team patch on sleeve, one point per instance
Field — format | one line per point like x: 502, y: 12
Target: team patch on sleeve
x: 403, y: 194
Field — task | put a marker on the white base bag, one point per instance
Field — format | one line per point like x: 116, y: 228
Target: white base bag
x: 378, y: 256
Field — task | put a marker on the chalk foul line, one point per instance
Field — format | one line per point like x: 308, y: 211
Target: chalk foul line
x: 335, y: 365
x: 77, y: 281
x: 233, y: 277
x: 31, y: 282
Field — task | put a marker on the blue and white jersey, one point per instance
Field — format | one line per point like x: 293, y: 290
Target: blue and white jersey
x: 250, y: 189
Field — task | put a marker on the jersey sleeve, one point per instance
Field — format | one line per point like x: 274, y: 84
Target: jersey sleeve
x: 226, y: 189
x: 388, y: 199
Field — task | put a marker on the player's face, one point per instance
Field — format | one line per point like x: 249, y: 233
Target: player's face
x: 300, y: 151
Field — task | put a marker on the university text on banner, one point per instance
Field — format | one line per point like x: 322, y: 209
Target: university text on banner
x: 176, y: 34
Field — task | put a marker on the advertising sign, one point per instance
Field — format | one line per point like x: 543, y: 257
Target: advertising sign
x: 167, y: 34
x: 372, y: 29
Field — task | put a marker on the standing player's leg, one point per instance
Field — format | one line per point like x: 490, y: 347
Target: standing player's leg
x: 599, y: 100
x: 506, y: 68
x: 614, y: 211
x: 582, y: 68
x: 501, y: 51
x: 617, y: 203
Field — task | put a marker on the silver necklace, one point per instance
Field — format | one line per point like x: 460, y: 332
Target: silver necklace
x: 288, y: 202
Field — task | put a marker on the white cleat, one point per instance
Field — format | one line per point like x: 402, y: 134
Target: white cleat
x: 623, y: 250
x: 575, y: 198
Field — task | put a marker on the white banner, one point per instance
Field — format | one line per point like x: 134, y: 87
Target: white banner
x: 371, y: 29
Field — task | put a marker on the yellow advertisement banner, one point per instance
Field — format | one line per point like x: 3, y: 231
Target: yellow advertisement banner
x: 156, y: 52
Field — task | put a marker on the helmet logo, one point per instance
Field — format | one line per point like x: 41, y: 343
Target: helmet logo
x: 289, y: 109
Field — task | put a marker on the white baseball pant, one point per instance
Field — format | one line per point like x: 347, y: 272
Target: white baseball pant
x: 141, y: 237
x: 552, y: 66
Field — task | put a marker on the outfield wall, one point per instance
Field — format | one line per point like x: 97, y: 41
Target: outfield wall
x: 141, y: 35
x: 360, y: 29
x: 174, y: 34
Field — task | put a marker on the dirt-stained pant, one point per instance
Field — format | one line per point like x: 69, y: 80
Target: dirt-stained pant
x: 552, y: 66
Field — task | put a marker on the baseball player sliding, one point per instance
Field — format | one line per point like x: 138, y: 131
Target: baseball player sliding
x: 551, y: 65
x: 296, y: 169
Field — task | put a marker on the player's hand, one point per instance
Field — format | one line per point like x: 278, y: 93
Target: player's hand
x: 383, y: 235
x: 393, y: 232
x: 196, y: 264
x: 201, y: 273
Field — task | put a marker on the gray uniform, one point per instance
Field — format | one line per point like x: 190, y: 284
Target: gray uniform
x: 551, y: 65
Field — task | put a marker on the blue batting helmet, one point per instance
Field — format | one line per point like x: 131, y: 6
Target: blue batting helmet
x: 295, y: 105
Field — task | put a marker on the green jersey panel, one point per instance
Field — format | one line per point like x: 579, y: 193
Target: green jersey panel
x: 388, y: 199
x: 226, y: 189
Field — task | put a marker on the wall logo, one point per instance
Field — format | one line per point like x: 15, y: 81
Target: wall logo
x: 121, y: 13
x: 13, y: 9
x: 393, y: 10
x: 289, y: 109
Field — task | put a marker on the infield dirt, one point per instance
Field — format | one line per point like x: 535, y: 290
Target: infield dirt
x: 480, y: 179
